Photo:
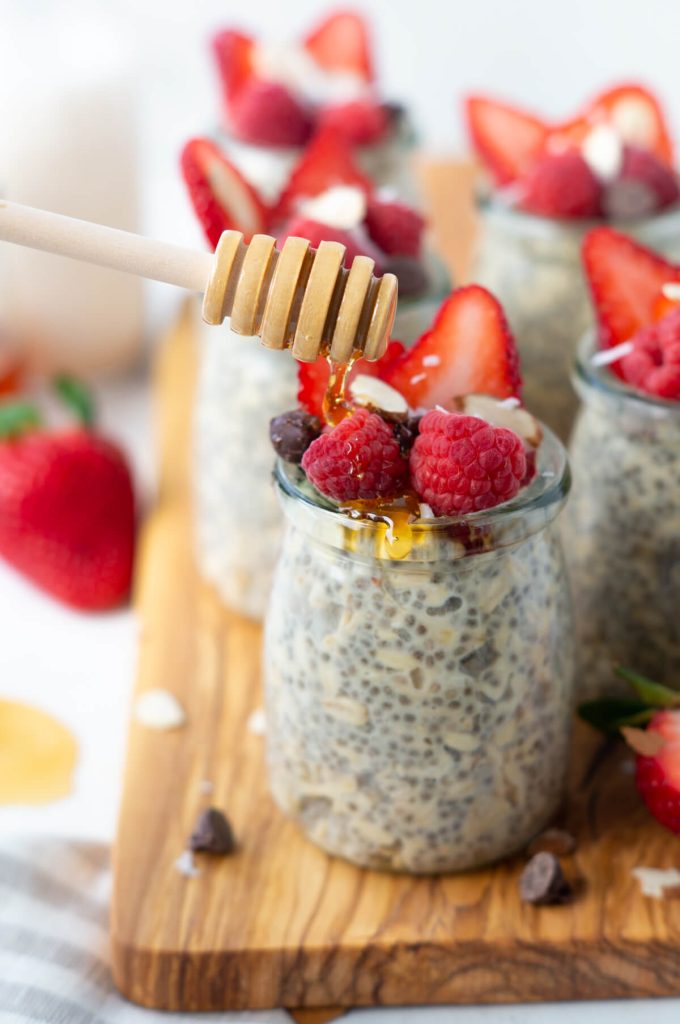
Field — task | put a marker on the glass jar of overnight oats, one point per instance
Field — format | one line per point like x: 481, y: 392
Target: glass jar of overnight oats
x: 418, y: 679
x: 533, y: 266
x: 241, y: 386
x: 622, y: 532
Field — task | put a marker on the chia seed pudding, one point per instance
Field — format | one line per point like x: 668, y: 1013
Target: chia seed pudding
x: 622, y: 531
x: 241, y: 385
x: 533, y: 265
x: 418, y: 687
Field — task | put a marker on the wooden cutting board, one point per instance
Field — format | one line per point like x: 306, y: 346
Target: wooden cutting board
x: 282, y: 924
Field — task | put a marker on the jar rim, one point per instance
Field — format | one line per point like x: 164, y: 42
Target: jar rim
x: 601, y: 380
x: 548, y: 491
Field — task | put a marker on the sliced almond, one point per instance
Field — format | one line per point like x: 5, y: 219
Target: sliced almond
x: 499, y: 414
x: 376, y: 394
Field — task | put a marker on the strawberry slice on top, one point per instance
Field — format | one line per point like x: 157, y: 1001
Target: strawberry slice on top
x: 313, y: 377
x: 468, y: 350
x: 327, y: 161
x: 626, y: 281
x: 341, y: 43
x: 507, y: 139
x: 222, y: 198
x: 637, y: 116
x: 235, y: 56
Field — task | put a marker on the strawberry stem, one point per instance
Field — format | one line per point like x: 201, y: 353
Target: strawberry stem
x: 17, y: 418
x: 76, y: 396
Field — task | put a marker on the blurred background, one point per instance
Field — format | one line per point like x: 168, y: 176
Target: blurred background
x: 151, y: 82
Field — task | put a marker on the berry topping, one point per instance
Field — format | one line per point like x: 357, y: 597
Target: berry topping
x: 507, y: 140
x: 327, y: 161
x: 291, y: 434
x: 644, y: 184
x: 267, y: 114
x: 636, y: 115
x: 463, y: 464
x: 313, y: 377
x: 626, y: 282
x: 359, y: 459
x: 360, y: 122
x: 234, y: 54
x: 654, y: 364
x: 315, y: 233
x: 561, y: 185
x: 395, y: 228
x: 406, y: 431
x: 469, y: 348
x: 221, y: 196
x: 658, y: 774
x: 341, y: 43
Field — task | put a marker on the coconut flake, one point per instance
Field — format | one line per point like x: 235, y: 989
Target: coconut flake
x: 671, y: 290
x: 257, y: 723
x: 426, y: 511
x: 602, y: 150
x: 418, y: 377
x: 654, y: 881
x: 159, y: 709
x: 431, y: 360
x: 186, y: 865
x: 612, y: 355
x: 342, y: 206
x: 509, y: 403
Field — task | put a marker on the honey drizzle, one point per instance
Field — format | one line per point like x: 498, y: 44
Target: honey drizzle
x: 335, y: 405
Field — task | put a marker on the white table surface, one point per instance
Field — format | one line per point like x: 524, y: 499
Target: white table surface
x: 80, y: 668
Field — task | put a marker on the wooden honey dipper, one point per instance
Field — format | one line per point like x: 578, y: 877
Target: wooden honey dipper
x: 298, y: 298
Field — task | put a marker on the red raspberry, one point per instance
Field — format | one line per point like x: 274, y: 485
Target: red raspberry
x: 360, y: 458
x: 561, y: 185
x: 654, y: 364
x: 463, y: 464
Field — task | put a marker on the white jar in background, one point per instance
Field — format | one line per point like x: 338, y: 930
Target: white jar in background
x: 68, y: 143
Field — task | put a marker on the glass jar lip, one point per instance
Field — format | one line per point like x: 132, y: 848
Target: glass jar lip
x: 549, y: 488
x: 524, y: 222
x: 600, y: 379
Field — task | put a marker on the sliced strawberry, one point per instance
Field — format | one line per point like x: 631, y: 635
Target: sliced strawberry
x: 468, y: 350
x: 234, y: 54
x: 326, y: 161
x: 221, y: 196
x: 561, y: 185
x: 341, y: 43
x: 506, y: 139
x: 625, y: 281
x: 315, y: 233
x: 313, y: 377
x: 658, y: 775
x: 637, y: 115
x: 395, y: 228
x: 267, y: 114
x: 361, y: 122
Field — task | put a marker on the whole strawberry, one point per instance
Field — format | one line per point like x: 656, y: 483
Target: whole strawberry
x: 359, y: 459
x: 67, y: 513
x: 657, y: 774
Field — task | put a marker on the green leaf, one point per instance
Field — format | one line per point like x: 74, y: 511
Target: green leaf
x: 17, y: 417
x: 610, y: 713
x: 653, y: 694
x: 77, y: 397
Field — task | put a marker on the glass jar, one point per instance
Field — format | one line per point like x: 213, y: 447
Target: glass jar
x: 622, y: 531
x: 241, y: 386
x: 533, y: 265
x: 418, y: 686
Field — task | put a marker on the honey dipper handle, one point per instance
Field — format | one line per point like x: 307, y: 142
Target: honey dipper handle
x: 107, y: 247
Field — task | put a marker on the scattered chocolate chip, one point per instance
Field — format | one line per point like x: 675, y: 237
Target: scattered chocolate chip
x: 628, y: 199
x: 542, y: 881
x: 406, y: 431
x: 212, y: 833
x: 410, y: 273
x: 291, y: 434
x: 553, y: 840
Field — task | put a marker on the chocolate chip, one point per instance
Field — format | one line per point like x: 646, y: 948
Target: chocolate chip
x: 291, y: 434
x: 410, y: 273
x: 542, y: 881
x: 212, y: 833
x: 406, y: 431
x: 553, y: 840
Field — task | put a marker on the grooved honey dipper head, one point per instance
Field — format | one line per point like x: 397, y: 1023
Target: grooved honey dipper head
x: 301, y: 298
